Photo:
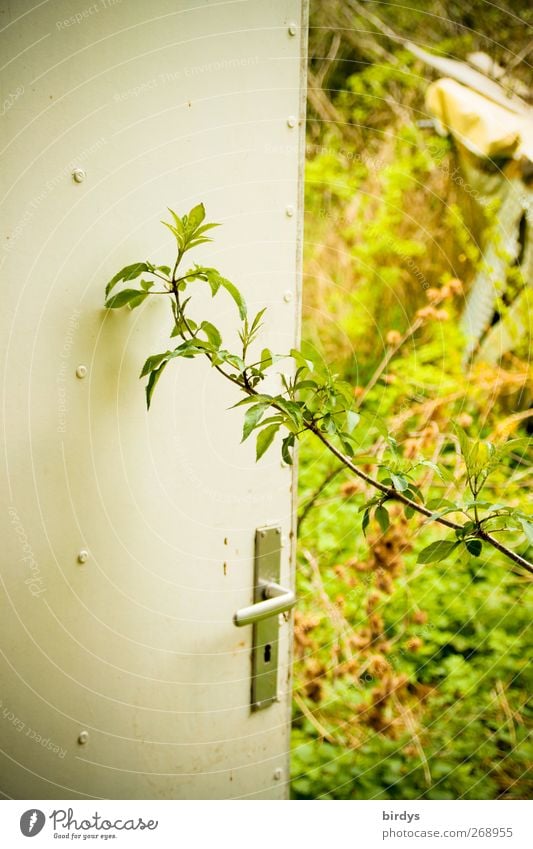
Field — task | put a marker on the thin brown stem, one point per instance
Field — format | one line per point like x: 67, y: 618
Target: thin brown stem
x: 178, y: 260
x: 220, y: 370
x: 479, y: 533
x: 387, y: 491
x: 386, y: 360
x: 316, y: 494
x: 512, y: 555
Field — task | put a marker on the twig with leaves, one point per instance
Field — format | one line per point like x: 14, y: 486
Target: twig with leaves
x: 315, y: 400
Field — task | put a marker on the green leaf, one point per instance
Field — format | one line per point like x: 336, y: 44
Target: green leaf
x: 480, y: 458
x: 257, y: 319
x: 346, y: 445
x: 215, y: 280
x: 183, y: 326
x: 366, y: 520
x: 413, y: 492
x: 286, y: 445
x: 236, y: 295
x: 178, y: 230
x: 253, y: 399
x: 437, y: 503
x: 328, y: 424
x: 129, y: 272
x: 345, y: 391
x: 300, y: 360
x: 474, y: 546
x: 252, y: 418
x: 265, y: 439
x: 439, y: 513
x: 194, y: 242
x: 437, y: 551
x: 232, y: 359
x: 307, y: 384
x: 204, y: 228
x: 153, y: 362
x: 212, y: 333
x: 518, y: 444
x: 382, y: 516
x: 266, y: 358
x: 271, y: 419
x: 175, y: 233
x: 291, y: 408
x: 465, y: 443
x: 212, y: 277
x: 399, y: 482
x: 195, y: 216
x: 152, y: 382
x: 437, y: 469
x: 352, y: 420
x: 476, y: 502
x: 147, y: 285
x: 135, y: 302
x: 128, y: 296
x: 527, y: 527
x: 189, y: 348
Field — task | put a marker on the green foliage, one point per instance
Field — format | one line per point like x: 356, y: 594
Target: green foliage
x: 419, y: 675
x: 411, y: 674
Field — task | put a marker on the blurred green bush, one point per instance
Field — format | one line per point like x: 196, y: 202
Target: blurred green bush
x: 410, y: 681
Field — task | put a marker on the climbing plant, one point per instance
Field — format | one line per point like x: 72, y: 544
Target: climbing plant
x: 313, y: 399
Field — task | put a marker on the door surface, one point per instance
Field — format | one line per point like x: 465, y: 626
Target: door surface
x: 128, y: 537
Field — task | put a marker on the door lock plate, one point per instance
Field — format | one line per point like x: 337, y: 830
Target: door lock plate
x: 265, y: 639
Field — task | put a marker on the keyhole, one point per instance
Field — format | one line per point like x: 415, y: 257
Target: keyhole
x: 267, y: 654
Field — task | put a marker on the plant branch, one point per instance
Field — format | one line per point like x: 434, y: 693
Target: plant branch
x: 398, y: 496
x: 175, y: 292
x: 388, y: 491
x: 295, y: 414
x: 512, y: 555
x: 394, y: 494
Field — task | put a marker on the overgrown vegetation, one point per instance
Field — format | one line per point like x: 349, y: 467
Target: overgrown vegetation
x: 411, y: 680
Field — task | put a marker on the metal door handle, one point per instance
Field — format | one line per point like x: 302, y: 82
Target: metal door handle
x: 269, y: 598
x: 276, y: 599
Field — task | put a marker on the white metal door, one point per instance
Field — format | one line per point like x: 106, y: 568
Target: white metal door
x: 123, y: 676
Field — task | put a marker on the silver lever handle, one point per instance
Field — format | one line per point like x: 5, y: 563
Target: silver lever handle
x: 276, y: 599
